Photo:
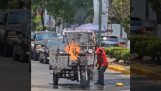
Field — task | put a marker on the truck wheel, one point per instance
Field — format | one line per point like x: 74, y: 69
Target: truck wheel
x: 15, y: 56
x: 24, y: 56
x: 55, y: 79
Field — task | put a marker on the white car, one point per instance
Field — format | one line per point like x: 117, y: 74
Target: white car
x: 60, y: 35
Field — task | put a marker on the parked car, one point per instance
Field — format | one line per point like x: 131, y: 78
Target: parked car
x: 40, y: 38
x: 109, y: 41
x: 123, y: 42
x: 21, y: 48
x: 50, y: 46
x: 60, y: 35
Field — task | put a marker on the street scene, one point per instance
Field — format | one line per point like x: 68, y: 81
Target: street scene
x: 95, y: 45
x: 82, y: 45
x: 42, y: 81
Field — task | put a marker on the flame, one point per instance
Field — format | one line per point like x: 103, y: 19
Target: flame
x: 73, y: 49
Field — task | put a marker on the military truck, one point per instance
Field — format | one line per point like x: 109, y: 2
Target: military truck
x: 13, y: 24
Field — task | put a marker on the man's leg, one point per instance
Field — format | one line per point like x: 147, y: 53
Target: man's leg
x: 101, y: 75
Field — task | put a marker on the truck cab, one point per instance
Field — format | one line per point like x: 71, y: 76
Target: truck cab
x: 14, y: 24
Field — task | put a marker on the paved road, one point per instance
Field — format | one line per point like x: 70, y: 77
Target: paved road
x: 142, y: 83
x: 14, y: 76
x: 41, y: 79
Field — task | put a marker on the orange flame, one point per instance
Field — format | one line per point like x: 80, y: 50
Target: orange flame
x: 73, y: 49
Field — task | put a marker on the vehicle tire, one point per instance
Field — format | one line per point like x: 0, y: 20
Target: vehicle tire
x: 46, y: 61
x: 84, y: 81
x: 40, y: 59
x: 50, y: 68
x: 55, y: 79
x: 25, y: 57
x: 15, y: 56
x: 36, y: 56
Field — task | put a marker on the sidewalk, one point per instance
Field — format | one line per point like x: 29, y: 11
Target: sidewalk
x: 149, y: 70
x: 118, y: 67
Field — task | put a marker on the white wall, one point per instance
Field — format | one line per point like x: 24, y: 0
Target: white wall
x: 116, y: 30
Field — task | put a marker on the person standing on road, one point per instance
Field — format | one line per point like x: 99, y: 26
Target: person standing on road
x: 102, y: 64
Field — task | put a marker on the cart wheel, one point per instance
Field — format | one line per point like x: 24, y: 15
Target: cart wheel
x: 55, y: 79
x: 46, y: 61
x: 84, y: 82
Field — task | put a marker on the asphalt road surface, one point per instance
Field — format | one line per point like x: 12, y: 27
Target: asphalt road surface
x: 41, y: 80
x: 142, y: 83
x: 14, y: 76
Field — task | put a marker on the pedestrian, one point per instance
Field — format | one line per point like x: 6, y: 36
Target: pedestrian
x: 102, y: 64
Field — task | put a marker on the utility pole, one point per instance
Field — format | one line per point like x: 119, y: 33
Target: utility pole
x: 99, y: 21
x: 121, y: 35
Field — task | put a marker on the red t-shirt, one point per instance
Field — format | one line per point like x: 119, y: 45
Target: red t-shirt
x: 101, y: 57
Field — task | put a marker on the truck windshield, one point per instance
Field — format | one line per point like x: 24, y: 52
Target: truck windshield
x: 43, y: 36
x: 18, y: 17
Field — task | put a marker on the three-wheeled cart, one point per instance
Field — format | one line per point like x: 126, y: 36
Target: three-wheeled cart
x: 81, y: 70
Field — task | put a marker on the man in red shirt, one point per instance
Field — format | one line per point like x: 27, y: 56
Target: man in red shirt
x: 102, y: 64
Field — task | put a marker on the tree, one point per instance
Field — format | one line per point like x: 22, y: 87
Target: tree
x: 62, y: 10
x: 120, y: 10
x: 38, y: 6
x: 156, y: 6
x: 3, y: 4
x: 68, y: 11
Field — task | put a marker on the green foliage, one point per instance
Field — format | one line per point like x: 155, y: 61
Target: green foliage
x: 62, y: 10
x: 10, y: 4
x: 37, y: 19
x: 118, y: 52
x: 39, y: 28
x: 156, y: 6
x: 145, y: 45
x: 120, y: 10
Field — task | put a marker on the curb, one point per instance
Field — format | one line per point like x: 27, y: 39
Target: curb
x: 119, y: 69
x: 148, y: 73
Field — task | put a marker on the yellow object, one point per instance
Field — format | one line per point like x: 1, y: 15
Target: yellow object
x: 119, y: 84
x: 73, y: 49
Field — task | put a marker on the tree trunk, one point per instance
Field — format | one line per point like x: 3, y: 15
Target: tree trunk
x: 158, y: 32
x: 42, y: 20
x: 159, y: 18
